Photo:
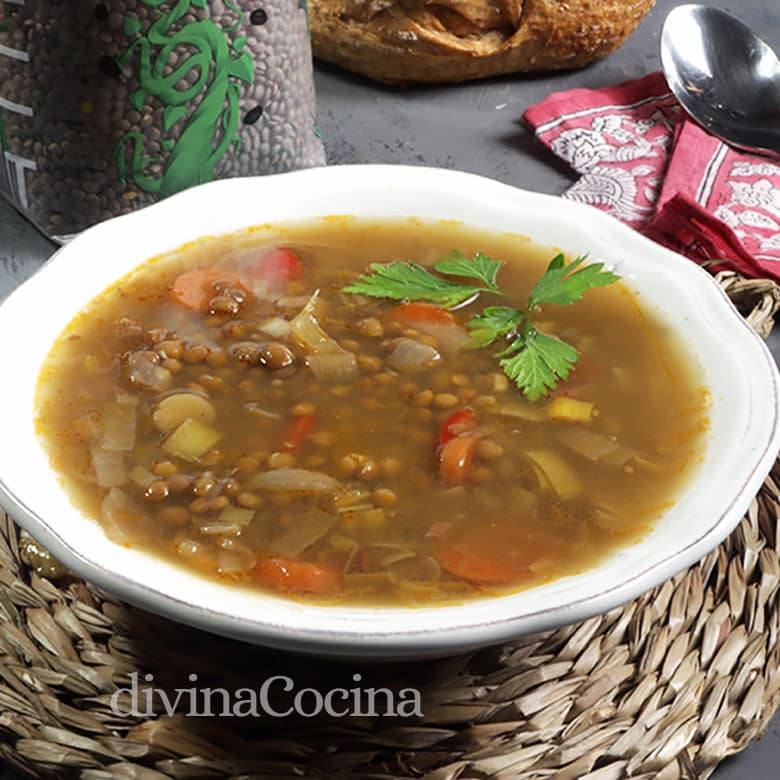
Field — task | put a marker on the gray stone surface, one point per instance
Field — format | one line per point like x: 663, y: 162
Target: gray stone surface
x: 473, y: 127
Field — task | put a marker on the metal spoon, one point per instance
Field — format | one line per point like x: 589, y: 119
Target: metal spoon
x: 725, y: 77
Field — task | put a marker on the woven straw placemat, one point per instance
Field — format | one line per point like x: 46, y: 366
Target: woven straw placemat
x: 664, y: 687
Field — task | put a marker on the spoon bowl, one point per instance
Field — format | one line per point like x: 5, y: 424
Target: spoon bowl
x: 724, y: 75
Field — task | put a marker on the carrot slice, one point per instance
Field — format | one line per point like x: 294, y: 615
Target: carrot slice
x: 296, y: 576
x: 493, y: 554
x: 297, y: 432
x: 276, y: 267
x: 412, y: 313
x: 193, y: 289
x: 456, y: 457
x: 457, y: 423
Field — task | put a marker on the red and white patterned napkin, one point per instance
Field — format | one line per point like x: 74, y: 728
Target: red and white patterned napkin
x: 643, y: 162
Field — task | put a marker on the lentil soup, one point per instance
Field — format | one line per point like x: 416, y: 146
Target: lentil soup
x: 231, y: 407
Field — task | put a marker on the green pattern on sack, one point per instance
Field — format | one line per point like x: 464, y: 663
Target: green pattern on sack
x: 212, y: 128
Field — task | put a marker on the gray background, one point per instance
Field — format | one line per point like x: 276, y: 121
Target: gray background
x: 473, y: 127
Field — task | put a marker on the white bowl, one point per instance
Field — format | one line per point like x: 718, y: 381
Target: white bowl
x: 740, y: 448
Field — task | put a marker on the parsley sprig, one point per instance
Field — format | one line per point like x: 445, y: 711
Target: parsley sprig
x: 411, y: 282
x: 533, y: 360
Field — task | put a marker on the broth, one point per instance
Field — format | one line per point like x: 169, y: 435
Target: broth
x: 211, y: 433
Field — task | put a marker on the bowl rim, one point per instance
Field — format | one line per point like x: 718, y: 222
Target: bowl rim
x: 416, y: 639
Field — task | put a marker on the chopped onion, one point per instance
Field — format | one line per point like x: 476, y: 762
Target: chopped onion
x: 218, y: 528
x: 388, y: 559
x: 255, y: 409
x: 119, y: 426
x: 109, y: 467
x: 370, y: 580
x: 120, y: 517
x: 292, y: 541
x: 235, y: 562
x: 552, y: 470
x: 333, y: 367
x: 295, y: 481
x: 450, y: 339
x: 141, y: 476
x: 410, y: 353
x: 591, y: 445
x: 199, y: 553
x: 519, y: 409
x: 353, y: 498
x: 344, y: 544
x: 237, y: 515
x: 307, y: 330
x: 175, y: 408
x: 278, y: 327
x: 416, y: 568
x: 291, y: 301
x: 438, y: 530
x: 146, y: 374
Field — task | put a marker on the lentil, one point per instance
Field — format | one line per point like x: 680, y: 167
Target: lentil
x: 281, y: 460
x: 248, y: 500
x: 371, y: 327
x: 157, y: 491
x: 445, y: 400
x: 385, y: 497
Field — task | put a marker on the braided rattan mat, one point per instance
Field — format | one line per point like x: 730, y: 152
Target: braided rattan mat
x: 662, y: 688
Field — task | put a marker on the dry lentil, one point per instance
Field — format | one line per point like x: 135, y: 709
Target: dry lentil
x: 368, y: 471
x: 488, y: 449
x: 179, y: 482
x: 370, y: 364
x: 385, y: 497
x: 460, y: 380
x: 247, y: 464
x: 213, y: 383
x: 204, y: 485
x: 424, y: 397
x: 371, y: 327
x: 196, y: 353
x: 174, y: 515
x: 169, y: 349
x: 231, y: 488
x: 348, y: 465
x: 248, y: 500
x: 391, y: 467
x: 276, y: 356
x: 218, y: 503
x: 157, y: 491
x: 174, y: 366
x: 482, y: 474
x: 217, y: 358
x: 164, y: 468
x: 281, y: 460
x: 445, y: 400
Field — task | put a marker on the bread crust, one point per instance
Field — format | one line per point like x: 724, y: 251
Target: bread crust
x: 407, y: 41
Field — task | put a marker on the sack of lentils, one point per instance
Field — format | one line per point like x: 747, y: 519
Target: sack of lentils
x: 109, y: 105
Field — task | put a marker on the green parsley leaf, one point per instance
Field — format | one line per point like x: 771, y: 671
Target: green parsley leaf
x: 538, y: 363
x: 480, y: 267
x: 411, y: 282
x: 565, y: 284
x: 534, y: 361
x: 494, y: 322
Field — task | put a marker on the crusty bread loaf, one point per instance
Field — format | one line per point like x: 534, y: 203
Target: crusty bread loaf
x: 405, y: 41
